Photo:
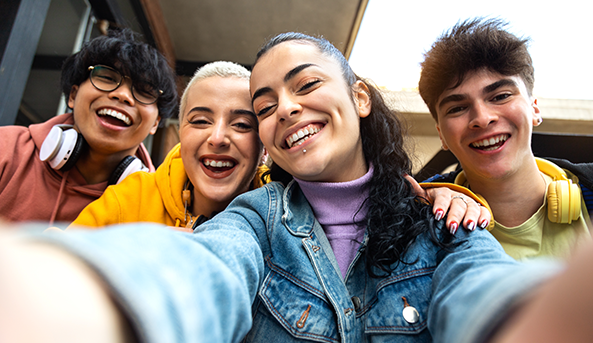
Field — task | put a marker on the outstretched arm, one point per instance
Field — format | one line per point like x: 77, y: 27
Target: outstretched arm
x: 64, y: 298
x: 560, y: 311
x: 170, y: 286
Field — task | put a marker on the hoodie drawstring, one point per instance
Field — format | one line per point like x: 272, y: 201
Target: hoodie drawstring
x: 62, y: 185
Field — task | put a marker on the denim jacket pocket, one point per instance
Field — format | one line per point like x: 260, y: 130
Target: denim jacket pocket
x: 410, y: 289
x: 301, y: 309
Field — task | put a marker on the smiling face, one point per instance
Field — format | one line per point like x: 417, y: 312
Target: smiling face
x: 487, y: 123
x: 220, y: 148
x: 308, y: 115
x: 112, y: 122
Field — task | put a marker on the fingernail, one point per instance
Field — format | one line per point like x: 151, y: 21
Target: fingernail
x: 453, y: 227
x: 439, y: 214
x: 484, y: 223
x: 471, y: 225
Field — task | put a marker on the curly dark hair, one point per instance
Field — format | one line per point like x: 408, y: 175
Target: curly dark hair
x: 396, y: 216
x: 123, y: 50
x: 473, y: 45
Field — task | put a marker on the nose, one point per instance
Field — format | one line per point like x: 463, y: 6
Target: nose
x: 287, y: 107
x: 123, y: 92
x: 482, y: 116
x: 219, y: 137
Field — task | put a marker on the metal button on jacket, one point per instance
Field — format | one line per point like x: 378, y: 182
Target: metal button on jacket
x: 410, y: 314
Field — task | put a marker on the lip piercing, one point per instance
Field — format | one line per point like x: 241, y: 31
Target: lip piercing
x: 304, y: 151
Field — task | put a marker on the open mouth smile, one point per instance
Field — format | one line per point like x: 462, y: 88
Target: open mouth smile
x: 218, y: 166
x: 491, y: 143
x: 302, y: 135
x: 114, y: 117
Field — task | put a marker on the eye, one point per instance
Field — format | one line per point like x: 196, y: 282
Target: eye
x: 501, y: 97
x: 309, y: 85
x: 264, y: 111
x: 197, y: 121
x: 243, y: 126
x: 146, y: 89
x: 106, y: 78
x: 456, y: 109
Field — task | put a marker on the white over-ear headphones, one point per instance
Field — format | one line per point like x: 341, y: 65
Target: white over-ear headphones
x: 63, y: 146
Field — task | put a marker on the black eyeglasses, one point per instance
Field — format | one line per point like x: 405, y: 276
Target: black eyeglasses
x: 108, y: 79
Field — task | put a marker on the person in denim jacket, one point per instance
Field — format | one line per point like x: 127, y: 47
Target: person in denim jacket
x: 337, y: 248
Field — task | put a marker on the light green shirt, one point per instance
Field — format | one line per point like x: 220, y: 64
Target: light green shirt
x: 538, y: 236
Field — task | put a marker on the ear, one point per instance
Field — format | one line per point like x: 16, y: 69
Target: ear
x: 362, y: 98
x: 72, y: 96
x: 537, y: 118
x: 443, y: 143
x: 155, y: 126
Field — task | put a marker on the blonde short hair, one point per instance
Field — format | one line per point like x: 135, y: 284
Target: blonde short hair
x: 218, y: 68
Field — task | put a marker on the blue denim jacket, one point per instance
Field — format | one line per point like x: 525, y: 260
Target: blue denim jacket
x: 264, y: 268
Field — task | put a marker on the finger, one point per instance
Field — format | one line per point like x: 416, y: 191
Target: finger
x: 485, y: 217
x: 472, y: 214
x: 457, y: 209
x: 441, y: 200
x: 419, y: 191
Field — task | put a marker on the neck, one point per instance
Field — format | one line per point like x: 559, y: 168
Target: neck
x: 206, y: 207
x: 514, y: 198
x: 96, y: 167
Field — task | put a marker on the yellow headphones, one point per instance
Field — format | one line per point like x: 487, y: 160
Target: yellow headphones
x: 564, y: 197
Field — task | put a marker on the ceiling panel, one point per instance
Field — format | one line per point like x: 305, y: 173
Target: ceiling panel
x: 208, y: 30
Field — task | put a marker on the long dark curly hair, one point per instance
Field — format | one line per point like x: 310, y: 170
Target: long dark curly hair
x: 396, y: 216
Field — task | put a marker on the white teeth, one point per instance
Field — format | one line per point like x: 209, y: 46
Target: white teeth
x: 218, y: 164
x: 296, y: 138
x: 115, y: 114
x: 485, y: 143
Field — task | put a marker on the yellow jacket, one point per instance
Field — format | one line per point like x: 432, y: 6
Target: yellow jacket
x: 145, y: 197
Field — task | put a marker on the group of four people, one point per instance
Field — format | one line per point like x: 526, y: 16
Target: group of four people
x: 339, y: 247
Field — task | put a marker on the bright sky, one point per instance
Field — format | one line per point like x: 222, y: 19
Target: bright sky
x: 395, y: 34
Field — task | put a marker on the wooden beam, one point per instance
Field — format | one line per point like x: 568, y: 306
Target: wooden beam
x: 18, y: 56
x: 355, y: 27
x: 160, y: 32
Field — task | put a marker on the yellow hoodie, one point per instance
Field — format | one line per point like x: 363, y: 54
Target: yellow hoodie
x: 146, y: 197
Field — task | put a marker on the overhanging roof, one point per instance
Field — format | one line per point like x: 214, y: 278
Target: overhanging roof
x: 209, y: 30
x: 198, y: 32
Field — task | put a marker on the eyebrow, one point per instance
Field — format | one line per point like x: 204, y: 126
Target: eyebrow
x: 490, y: 88
x: 236, y: 112
x: 498, y: 84
x: 200, y: 109
x: 244, y: 112
x: 291, y: 73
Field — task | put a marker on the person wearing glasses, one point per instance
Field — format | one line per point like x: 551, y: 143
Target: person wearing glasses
x: 118, y: 89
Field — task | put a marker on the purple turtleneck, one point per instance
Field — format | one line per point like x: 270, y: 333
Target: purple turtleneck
x: 335, y: 205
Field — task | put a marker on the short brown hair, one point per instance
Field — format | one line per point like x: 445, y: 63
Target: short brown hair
x: 472, y: 45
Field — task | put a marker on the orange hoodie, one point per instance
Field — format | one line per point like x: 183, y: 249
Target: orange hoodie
x: 30, y: 190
